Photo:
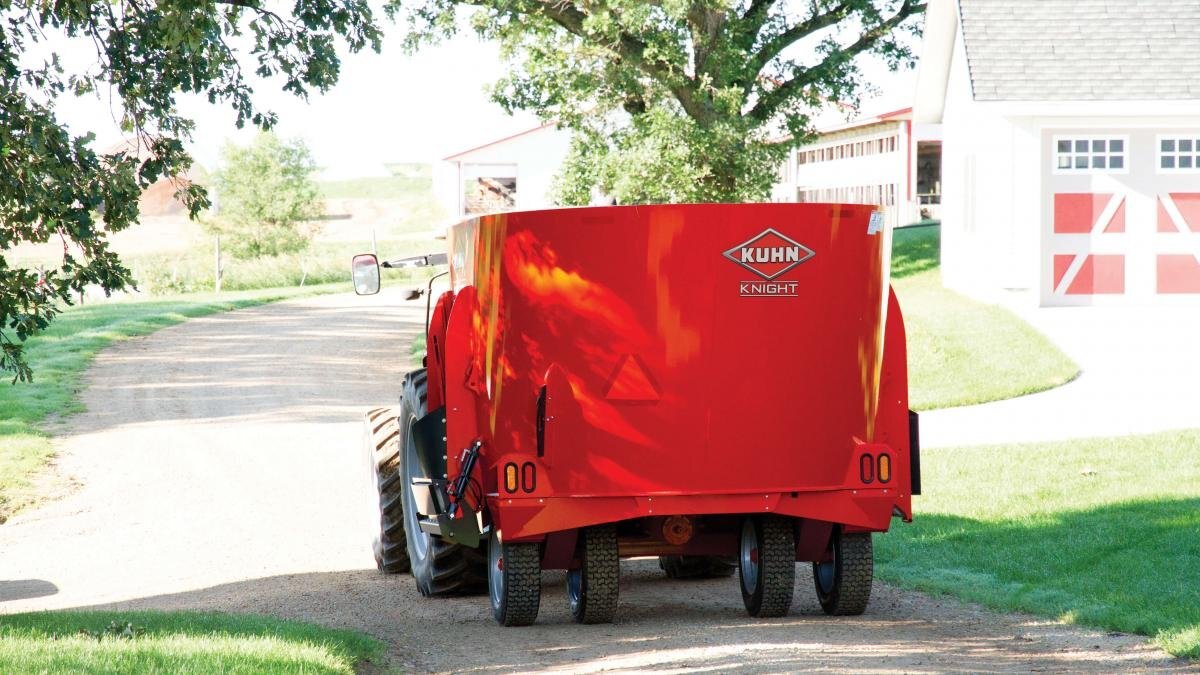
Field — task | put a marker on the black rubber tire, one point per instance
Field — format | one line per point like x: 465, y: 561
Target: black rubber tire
x: 440, y: 568
x: 848, y: 576
x: 772, y: 586
x: 697, y: 566
x: 390, y: 545
x: 514, y: 581
x: 592, y: 590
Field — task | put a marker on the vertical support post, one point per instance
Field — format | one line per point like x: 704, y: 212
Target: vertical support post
x: 374, y: 244
x: 217, y: 265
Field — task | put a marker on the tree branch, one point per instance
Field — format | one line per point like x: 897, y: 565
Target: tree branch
x: 775, y: 46
x: 252, y: 4
x: 706, y: 26
x: 756, y: 14
x: 632, y: 49
x: 771, y: 101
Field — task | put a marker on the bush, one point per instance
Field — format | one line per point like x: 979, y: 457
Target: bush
x: 266, y: 198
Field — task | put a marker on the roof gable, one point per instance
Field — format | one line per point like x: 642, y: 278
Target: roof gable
x: 465, y: 154
x: 1082, y: 50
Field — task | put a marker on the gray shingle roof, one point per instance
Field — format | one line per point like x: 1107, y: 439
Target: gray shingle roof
x: 1082, y: 50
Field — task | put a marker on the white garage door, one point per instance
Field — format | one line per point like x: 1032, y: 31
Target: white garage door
x: 1122, y: 216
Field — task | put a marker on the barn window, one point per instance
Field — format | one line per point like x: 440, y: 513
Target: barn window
x: 488, y: 188
x: 1179, y: 153
x: 1091, y: 154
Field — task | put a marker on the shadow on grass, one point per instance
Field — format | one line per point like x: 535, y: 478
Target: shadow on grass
x: 1129, y: 567
x: 915, y: 250
x: 154, y: 641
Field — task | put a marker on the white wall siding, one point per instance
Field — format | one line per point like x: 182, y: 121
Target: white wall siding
x: 989, y: 185
x: 537, y: 154
x: 878, y: 175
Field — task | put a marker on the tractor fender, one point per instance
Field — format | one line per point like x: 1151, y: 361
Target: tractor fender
x: 435, y: 350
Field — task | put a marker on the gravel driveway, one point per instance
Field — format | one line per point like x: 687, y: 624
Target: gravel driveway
x: 218, y: 469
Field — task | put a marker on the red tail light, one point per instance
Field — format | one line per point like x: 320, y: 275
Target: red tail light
x: 866, y: 468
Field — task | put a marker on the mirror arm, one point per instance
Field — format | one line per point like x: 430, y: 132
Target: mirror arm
x: 429, y: 300
x: 428, y: 260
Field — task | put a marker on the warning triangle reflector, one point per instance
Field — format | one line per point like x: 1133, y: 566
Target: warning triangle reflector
x: 631, y: 382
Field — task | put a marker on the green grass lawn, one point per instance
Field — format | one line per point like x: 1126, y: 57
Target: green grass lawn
x: 60, y: 356
x: 1102, y: 532
x: 961, y: 351
x: 170, y: 642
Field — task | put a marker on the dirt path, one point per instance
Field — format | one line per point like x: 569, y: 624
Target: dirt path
x: 219, y: 471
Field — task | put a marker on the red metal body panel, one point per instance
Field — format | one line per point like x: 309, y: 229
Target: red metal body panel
x: 678, y: 380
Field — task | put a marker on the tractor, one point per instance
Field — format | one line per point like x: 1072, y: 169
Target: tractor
x: 723, y: 386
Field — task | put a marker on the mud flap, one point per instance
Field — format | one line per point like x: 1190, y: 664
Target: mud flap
x: 429, y: 488
x: 429, y: 433
x: 914, y: 451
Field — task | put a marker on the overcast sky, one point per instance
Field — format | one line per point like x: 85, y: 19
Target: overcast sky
x: 389, y: 107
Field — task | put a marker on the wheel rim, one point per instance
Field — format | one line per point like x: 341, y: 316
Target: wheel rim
x: 495, y: 570
x: 749, y: 557
x: 575, y: 587
x: 419, y: 538
x: 826, y: 573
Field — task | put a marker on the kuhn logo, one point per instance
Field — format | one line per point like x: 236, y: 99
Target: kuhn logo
x: 769, y: 254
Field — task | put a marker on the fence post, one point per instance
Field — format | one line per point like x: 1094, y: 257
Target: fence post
x: 217, y: 268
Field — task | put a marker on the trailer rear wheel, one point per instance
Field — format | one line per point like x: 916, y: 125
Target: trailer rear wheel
x: 767, y: 565
x: 592, y: 588
x: 844, y: 582
x: 439, y: 567
x: 697, y: 566
x: 514, y: 581
x: 382, y: 438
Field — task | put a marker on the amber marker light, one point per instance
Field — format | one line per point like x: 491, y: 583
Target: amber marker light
x: 510, y: 477
x: 885, y: 468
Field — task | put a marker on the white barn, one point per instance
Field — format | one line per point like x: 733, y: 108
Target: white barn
x: 515, y: 172
x: 1071, y: 148
x: 884, y: 160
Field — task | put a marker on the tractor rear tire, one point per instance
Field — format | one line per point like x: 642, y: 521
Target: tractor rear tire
x: 439, y: 567
x: 593, y: 587
x: 389, y: 544
x: 697, y: 566
x: 844, y: 582
x: 514, y: 581
x: 767, y: 565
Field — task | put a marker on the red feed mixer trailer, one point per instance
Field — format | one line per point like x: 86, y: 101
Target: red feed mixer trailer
x: 721, y: 386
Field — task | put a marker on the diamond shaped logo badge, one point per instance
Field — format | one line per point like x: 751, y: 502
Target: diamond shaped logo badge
x: 770, y: 254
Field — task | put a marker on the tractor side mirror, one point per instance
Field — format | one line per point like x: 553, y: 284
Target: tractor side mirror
x: 364, y: 270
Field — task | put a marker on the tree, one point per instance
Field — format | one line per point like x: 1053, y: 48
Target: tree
x: 266, y: 197
x: 695, y: 100
x: 54, y: 185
